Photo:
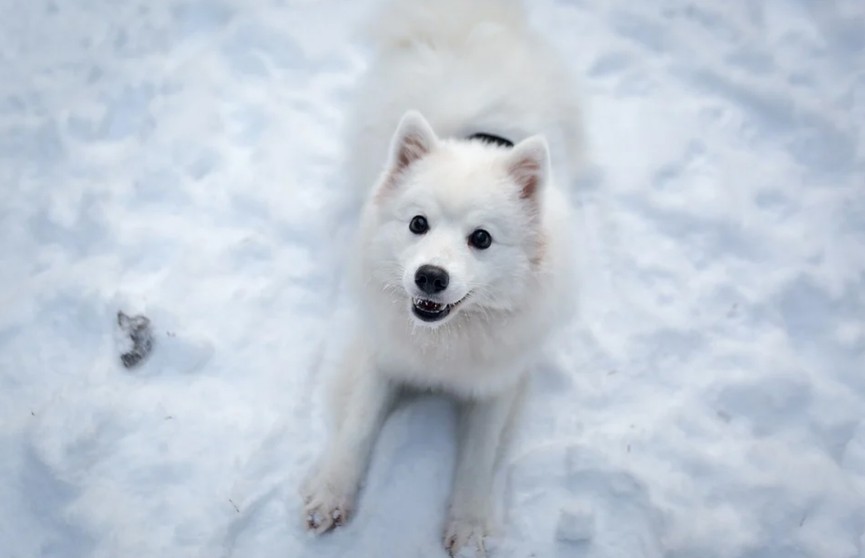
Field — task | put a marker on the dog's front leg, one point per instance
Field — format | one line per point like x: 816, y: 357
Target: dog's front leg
x: 331, y: 488
x: 482, y: 426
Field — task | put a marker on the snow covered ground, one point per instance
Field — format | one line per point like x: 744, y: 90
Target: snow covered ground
x: 181, y: 159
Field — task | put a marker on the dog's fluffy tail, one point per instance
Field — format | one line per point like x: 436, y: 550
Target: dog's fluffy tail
x: 439, y: 23
x: 470, y: 65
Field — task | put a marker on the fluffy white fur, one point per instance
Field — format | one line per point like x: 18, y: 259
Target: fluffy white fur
x: 444, y: 70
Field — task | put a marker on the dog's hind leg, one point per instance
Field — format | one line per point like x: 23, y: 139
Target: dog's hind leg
x: 331, y: 488
x: 482, y: 427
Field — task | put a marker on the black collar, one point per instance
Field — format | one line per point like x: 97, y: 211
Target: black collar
x: 492, y: 138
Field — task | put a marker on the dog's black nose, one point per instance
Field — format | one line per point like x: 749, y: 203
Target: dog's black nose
x: 431, y: 279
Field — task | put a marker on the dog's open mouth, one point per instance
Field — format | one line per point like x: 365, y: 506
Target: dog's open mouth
x: 431, y: 311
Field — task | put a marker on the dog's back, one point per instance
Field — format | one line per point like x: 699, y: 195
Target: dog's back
x: 468, y: 67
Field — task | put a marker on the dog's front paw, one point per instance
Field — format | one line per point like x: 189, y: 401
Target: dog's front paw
x: 465, y: 537
x: 327, y: 503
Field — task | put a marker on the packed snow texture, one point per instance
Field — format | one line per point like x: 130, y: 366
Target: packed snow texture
x: 181, y: 160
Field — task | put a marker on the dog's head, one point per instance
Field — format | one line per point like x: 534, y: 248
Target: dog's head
x: 456, y: 224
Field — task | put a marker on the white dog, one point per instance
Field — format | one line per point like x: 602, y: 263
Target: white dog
x: 465, y: 255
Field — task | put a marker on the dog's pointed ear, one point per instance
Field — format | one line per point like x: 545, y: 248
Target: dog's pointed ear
x: 528, y: 165
x: 413, y: 139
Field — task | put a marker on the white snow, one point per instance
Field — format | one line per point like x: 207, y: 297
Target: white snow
x: 576, y: 524
x: 181, y: 159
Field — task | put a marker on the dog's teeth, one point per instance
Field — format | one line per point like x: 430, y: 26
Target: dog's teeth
x: 428, y: 305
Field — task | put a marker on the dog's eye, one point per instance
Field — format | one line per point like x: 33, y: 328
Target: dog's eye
x: 418, y: 224
x: 480, y: 239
